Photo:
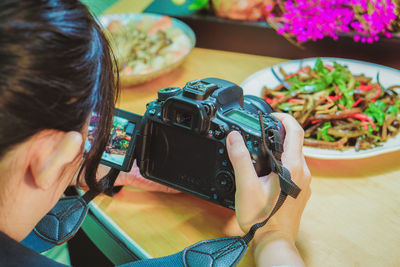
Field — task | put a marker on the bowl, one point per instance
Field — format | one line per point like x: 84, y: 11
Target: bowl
x: 147, y: 45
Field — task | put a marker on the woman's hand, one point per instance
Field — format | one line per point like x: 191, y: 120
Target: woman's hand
x: 255, y: 197
x: 132, y: 178
x: 135, y: 179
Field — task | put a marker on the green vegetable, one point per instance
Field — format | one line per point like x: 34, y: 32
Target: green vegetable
x: 329, y: 78
x: 394, y: 109
x: 348, y: 94
x: 376, y: 112
x: 285, y: 106
x: 323, y: 133
x: 320, y: 68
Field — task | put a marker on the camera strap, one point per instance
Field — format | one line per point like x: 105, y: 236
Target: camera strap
x: 66, y: 217
x: 288, y: 187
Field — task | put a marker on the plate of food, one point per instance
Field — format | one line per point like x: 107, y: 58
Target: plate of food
x: 349, y: 109
x: 147, y: 45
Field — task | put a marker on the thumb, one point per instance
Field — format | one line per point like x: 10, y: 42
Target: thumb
x: 250, y: 200
x: 245, y: 175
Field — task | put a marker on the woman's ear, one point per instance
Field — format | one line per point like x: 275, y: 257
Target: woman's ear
x: 53, y: 151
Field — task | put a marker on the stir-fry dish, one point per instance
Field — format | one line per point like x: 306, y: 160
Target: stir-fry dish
x: 336, y: 108
x: 147, y: 45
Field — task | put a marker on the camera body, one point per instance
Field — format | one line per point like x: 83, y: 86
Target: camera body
x: 180, y: 140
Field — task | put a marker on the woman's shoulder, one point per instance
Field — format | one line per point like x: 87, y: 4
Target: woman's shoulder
x: 13, y: 253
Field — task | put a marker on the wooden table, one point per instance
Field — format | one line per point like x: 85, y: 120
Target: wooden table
x: 352, y: 219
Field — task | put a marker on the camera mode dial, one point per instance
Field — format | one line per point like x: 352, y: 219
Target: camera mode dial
x: 166, y: 93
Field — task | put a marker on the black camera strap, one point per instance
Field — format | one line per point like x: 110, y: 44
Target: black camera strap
x: 66, y: 217
x: 281, y: 199
x: 288, y: 187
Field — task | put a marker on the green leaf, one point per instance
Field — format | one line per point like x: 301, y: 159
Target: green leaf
x: 285, y: 106
x: 348, y: 100
x: 318, y: 65
x: 341, y: 74
x: 320, y: 68
x: 328, y: 78
x: 376, y: 112
x: 380, y: 105
x: 392, y: 110
x: 370, y: 130
x: 323, y: 133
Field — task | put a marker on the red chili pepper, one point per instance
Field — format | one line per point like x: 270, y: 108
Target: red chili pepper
x: 280, y: 95
x: 336, y: 87
x: 336, y: 98
x: 271, y: 100
x: 362, y: 117
x: 296, y: 101
x: 329, y: 67
x: 291, y: 75
x: 295, y: 73
x: 366, y: 87
x: 378, y: 93
x: 315, y: 121
x: 341, y: 106
x: 268, y: 100
x: 303, y: 69
x: 357, y: 102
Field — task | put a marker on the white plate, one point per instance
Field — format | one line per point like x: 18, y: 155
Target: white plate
x: 133, y: 79
x: 387, y: 76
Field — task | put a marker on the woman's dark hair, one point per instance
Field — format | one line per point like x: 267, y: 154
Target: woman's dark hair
x: 56, y: 67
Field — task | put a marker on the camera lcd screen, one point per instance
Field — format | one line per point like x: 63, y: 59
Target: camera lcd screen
x: 120, y: 139
x: 244, y: 119
x: 119, y: 146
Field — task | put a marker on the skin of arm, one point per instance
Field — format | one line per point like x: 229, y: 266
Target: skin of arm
x: 274, y: 244
x: 132, y: 178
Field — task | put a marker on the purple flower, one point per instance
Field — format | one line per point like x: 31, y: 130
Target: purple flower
x: 316, y: 19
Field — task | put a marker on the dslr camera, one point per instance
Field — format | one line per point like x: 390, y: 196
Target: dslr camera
x: 180, y: 140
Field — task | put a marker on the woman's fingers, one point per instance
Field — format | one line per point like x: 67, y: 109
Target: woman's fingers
x: 245, y: 175
x: 251, y: 197
x: 293, y: 143
x: 292, y: 157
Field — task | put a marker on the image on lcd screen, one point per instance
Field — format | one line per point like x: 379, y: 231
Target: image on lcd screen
x: 120, y: 138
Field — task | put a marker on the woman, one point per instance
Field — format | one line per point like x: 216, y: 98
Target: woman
x: 55, y: 69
